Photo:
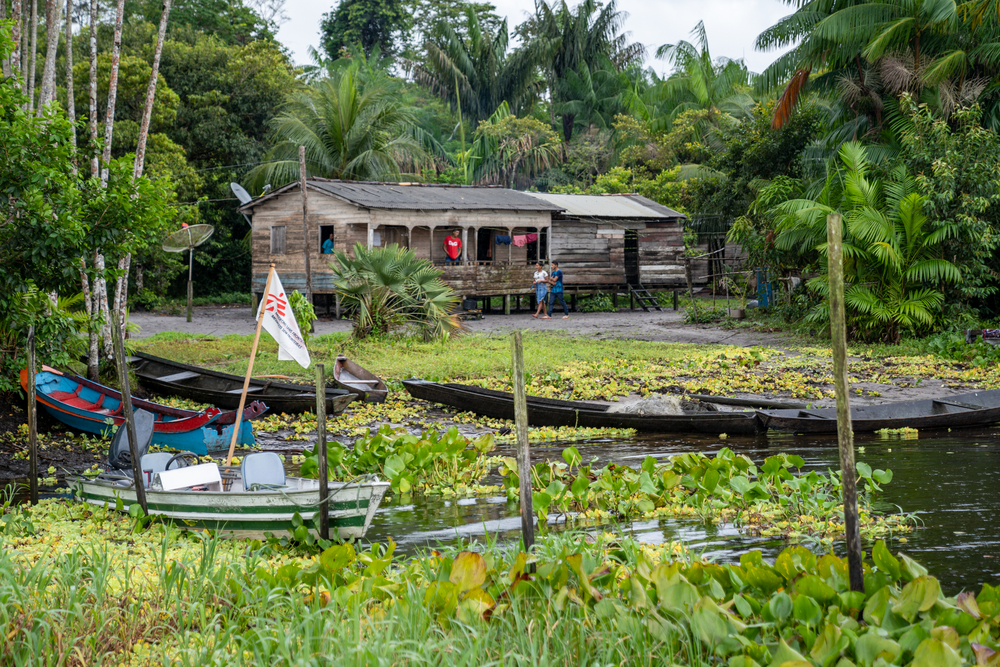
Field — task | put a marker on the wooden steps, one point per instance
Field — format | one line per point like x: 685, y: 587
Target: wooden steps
x: 646, y: 300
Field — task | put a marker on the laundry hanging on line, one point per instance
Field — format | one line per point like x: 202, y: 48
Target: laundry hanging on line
x: 502, y: 239
x: 531, y: 238
x: 520, y: 240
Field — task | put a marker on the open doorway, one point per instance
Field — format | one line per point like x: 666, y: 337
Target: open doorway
x: 326, y: 239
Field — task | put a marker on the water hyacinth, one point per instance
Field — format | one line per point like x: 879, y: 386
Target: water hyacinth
x: 78, y: 587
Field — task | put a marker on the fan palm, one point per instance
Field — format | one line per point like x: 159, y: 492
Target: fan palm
x: 478, y: 70
x: 892, y: 252
x: 388, y: 287
x: 352, y: 125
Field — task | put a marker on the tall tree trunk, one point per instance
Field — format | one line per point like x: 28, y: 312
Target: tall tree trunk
x: 92, y: 109
x: 109, y: 127
x: 109, y: 118
x: 5, y: 65
x: 47, y: 93
x: 147, y: 111
x: 96, y: 310
x: 15, y: 35
x: 70, y: 102
x: 33, y: 55
x: 121, y: 288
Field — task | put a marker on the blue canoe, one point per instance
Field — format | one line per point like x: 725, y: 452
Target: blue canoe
x: 94, y: 408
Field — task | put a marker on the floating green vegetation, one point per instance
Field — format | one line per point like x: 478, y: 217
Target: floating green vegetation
x: 905, y: 433
x: 437, y: 463
x: 79, y: 587
x: 774, y: 499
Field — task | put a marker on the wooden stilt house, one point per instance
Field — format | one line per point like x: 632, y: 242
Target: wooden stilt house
x: 601, y: 242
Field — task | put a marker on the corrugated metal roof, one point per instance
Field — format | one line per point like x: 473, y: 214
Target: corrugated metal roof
x: 608, y: 206
x: 418, y: 196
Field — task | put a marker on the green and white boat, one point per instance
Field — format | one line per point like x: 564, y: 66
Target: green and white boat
x: 208, y: 497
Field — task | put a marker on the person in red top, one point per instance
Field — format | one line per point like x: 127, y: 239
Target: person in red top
x: 453, y: 248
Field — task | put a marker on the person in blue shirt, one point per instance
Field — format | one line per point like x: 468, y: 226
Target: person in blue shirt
x: 556, y: 292
x: 328, y: 245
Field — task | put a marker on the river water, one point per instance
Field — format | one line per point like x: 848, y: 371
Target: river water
x: 949, y: 479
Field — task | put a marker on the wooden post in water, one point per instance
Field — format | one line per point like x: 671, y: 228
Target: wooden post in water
x: 523, y: 453
x: 32, y: 420
x: 324, y: 491
x: 845, y: 434
x: 121, y: 363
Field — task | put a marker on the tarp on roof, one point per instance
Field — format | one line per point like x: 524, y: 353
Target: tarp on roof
x: 608, y: 206
x: 419, y: 197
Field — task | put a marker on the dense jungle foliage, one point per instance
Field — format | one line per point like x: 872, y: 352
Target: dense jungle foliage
x: 449, y: 91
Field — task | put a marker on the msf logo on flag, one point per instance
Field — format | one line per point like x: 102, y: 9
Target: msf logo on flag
x: 278, y: 320
x: 276, y: 303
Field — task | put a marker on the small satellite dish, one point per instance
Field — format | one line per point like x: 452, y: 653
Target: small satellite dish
x: 240, y: 193
x: 188, y: 238
x: 244, y: 198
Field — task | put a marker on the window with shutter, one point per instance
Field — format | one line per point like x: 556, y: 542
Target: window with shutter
x: 278, y: 240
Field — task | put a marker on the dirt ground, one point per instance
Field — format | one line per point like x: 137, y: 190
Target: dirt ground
x: 666, y: 326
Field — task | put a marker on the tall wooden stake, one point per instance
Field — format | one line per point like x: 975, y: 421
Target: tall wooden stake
x: 324, y: 490
x: 121, y: 363
x: 246, y: 381
x: 845, y: 434
x: 190, y: 287
x: 32, y: 419
x: 305, y: 222
x: 523, y: 453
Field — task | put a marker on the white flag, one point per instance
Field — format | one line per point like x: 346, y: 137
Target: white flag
x: 279, y: 321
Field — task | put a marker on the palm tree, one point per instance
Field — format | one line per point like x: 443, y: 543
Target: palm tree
x: 892, y: 255
x: 478, y: 71
x: 585, y: 39
x: 353, y: 127
x: 872, y: 50
x: 388, y: 288
x: 701, y: 82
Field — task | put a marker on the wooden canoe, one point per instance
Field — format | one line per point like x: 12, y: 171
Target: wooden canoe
x: 351, y: 377
x: 94, y: 408
x: 978, y: 408
x: 172, y: 378
x: 554, y: 412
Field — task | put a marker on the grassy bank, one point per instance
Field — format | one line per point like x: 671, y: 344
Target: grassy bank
x: 589, y: 368
x: 79, y: 587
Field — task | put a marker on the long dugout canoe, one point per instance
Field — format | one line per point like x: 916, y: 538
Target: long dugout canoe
x: 173, y: 378
x: 978, y: 408
x: 554, y: 412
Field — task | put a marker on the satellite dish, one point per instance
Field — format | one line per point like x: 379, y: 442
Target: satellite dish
x: 188, y: 238
x: 240, y: 193
x: 244, y: 198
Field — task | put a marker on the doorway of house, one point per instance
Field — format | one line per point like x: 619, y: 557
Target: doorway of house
x: 631, y: 257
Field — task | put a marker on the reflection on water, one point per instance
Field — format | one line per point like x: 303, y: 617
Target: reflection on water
x: 948, y: 478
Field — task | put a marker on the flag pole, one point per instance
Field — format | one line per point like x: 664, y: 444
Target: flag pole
x: 253, y: 355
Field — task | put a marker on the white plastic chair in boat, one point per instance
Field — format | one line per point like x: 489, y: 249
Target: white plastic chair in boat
x: 263, y: 469
x: 152, y: 464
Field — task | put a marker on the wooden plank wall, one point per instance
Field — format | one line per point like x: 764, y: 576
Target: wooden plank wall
x: 592, y: 253
x: 351, y: 227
